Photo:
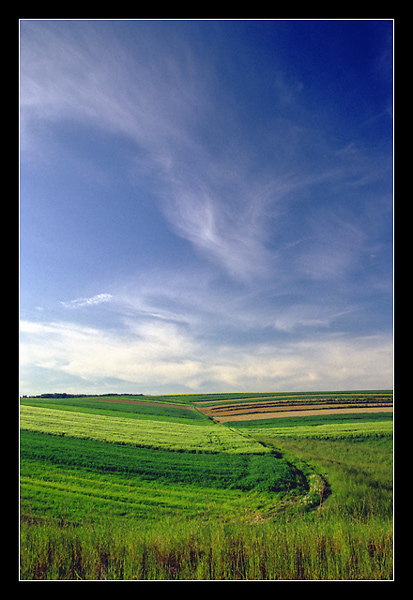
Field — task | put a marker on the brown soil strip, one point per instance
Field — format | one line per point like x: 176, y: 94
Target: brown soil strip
x: 245, y: 410
x: 301, y: 413
x: 282, y: 405
x: 297, y: 397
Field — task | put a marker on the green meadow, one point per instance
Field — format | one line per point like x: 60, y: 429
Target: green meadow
x: 151, y: 488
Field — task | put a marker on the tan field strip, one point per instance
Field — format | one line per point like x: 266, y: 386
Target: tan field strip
x: 245, y: 408
x: 301, y: 413
x: 247, y: 399
x: 282, y: 398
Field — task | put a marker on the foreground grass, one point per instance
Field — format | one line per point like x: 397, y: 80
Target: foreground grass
x: 307, y: 547
x: 349, y: 536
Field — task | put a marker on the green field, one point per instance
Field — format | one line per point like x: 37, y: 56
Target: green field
x: 145, y: 433
x: 333, y: 431
x: 150, y: 487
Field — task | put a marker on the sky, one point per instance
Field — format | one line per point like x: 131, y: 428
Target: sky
x: 206, y: 205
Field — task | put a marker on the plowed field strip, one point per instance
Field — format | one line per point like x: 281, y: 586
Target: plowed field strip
x: 298, y: 398
x: 302, y: 413
x: 266, y: 407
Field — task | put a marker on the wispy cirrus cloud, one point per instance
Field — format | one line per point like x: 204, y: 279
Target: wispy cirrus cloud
x: 80, y: 302
x: 222, y: 186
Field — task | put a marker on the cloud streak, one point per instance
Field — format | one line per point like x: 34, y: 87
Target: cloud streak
x: 224, y: 186
x: 80, y: 302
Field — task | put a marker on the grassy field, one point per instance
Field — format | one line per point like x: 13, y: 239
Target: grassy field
x: 146, y: 433
x: 143, y: 488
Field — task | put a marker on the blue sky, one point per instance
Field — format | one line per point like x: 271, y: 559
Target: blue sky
x: 206, y: 205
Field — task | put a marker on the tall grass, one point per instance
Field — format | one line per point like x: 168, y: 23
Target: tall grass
x: 307, y: 547
x: 359, y: 473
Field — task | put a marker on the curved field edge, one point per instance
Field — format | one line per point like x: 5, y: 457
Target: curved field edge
x: 350, y: 538
x: 86, y: 478
x: 77, y: 497
x: 140, y: 433
x: 267, y: 472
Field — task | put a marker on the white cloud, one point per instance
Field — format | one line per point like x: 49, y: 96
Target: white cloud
x: 155, y: 355
x: 151, y: 353
x: 79, y: 302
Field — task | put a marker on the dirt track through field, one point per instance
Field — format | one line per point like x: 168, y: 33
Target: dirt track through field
x: 298, y: 413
